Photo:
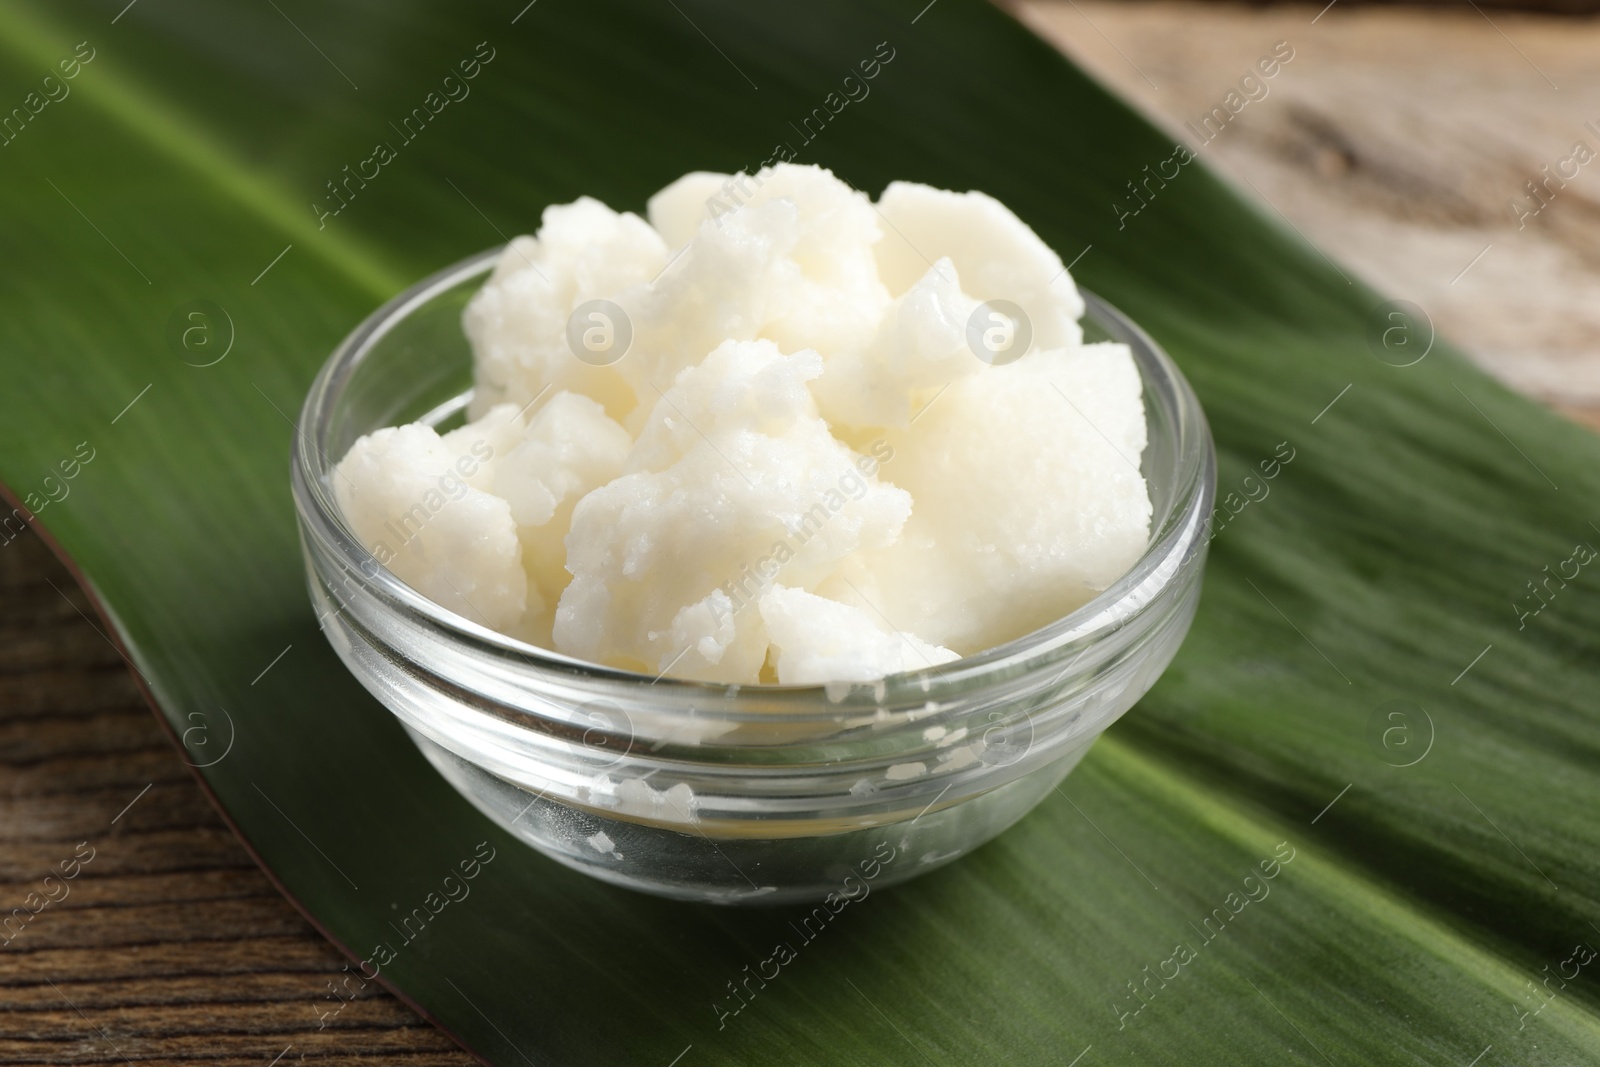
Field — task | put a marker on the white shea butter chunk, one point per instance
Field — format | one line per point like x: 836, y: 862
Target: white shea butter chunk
x: 407, y: 494
x: 488, y: 439
x: 785, y: 255
x: 677, y: 211
x: 825, y: 293
x: 819, y: 640
x: 998, y: 255
x: 799, y: 468
x: 1028, y: 497
x: 735, y: 484
x: 920, y: 347
x: 517, y: 322
x: 570, y: 448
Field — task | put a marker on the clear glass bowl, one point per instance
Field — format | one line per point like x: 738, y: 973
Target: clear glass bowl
x: 729, y: 794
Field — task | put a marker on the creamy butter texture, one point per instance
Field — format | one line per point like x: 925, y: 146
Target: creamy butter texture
x: 784, y: 441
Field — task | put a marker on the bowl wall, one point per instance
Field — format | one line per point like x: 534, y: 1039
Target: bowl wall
x: 718, y: 793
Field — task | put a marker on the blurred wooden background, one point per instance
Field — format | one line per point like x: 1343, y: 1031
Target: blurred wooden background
x: 1395, y: 140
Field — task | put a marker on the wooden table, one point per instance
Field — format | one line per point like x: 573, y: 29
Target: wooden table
x: 172, y: 946
x: 1394, y: 140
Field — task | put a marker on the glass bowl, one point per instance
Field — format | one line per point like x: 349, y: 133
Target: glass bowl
x: 722, y: 793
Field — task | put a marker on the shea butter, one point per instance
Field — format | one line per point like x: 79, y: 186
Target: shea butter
x: 788, y: 436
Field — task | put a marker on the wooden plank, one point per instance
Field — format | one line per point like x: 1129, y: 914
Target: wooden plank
x: 1396, y: 141
x: 170, y: 945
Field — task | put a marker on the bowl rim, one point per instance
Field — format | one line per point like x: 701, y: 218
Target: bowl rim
x: 1177, y: 537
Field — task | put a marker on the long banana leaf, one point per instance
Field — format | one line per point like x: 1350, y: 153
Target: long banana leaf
x: 1388, y: 700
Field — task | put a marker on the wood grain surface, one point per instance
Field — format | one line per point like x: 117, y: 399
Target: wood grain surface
x: 170, y: 945
x: 1397, y: 141
x: 1394, y: 140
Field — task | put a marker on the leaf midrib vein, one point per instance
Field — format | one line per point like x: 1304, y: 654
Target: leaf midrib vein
x: 183, y: 139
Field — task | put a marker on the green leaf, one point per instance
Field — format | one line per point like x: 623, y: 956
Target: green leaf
x: 1425, y: 907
